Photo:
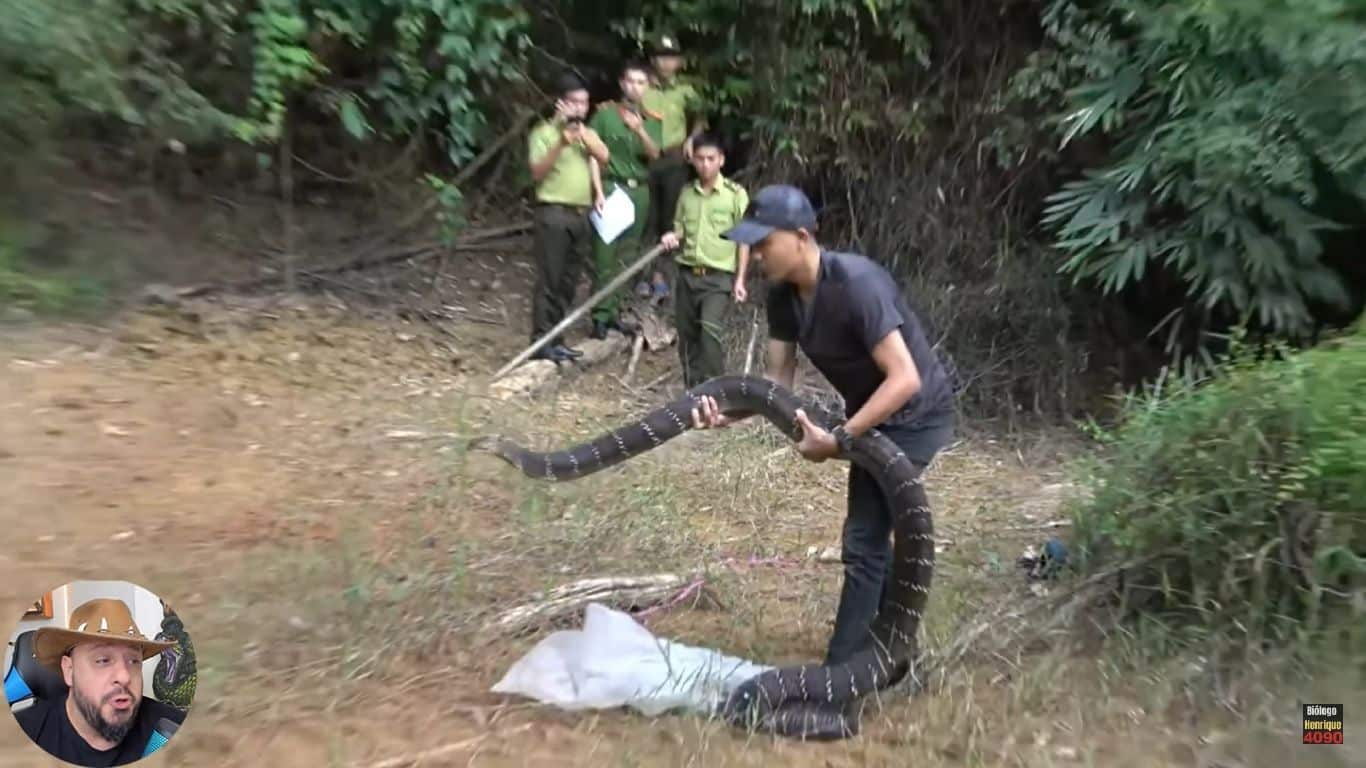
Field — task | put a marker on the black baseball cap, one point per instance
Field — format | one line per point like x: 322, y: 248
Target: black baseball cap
x: 778, y: 206
x: 664, y: 45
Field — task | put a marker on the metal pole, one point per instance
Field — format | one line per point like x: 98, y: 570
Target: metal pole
x: 569, y: 319
x: 753, y: 336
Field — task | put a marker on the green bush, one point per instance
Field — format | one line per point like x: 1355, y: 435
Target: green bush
x: 1230, y: 132
x: 1241, y: 497
x: 68, y: 289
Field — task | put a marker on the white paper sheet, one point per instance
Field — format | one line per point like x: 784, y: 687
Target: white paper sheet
x: 614, y: 661
x: 618, y: 213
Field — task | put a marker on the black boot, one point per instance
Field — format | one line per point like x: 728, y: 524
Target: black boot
x: 600, y: 329
x: 568, y: 351
x: 555, y: 353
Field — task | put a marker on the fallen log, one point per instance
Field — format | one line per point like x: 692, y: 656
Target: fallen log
x: 477, y: 240
x: 568, y: 601
x: 472, y: 241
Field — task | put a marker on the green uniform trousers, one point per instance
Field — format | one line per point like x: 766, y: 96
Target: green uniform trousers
x: 611, y: 258
x: 561, y: 251
x: 700, y: 305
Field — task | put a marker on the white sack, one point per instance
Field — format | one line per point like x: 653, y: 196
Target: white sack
x: 614, y: 661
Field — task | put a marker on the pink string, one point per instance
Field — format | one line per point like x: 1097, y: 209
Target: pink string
x: 687, y: 592
x: 754, y: 561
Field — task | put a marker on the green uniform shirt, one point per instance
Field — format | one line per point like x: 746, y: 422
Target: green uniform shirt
x: 672, y: 102
x: 700, y: 219
x: 628, y: 160
x: 569, y: 181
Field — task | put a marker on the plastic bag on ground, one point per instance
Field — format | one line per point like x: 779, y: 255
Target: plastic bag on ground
x: 614, y: 662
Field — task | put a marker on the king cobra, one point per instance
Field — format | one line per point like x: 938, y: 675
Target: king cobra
x: 810, y: 701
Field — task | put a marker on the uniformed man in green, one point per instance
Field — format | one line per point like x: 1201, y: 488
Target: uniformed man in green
x: 633, y: 137
x: 563, y: 156
x: 711, y: 269
x: 679, y: 106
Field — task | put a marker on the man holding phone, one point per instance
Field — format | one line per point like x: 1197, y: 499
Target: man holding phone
x: 564, y: 157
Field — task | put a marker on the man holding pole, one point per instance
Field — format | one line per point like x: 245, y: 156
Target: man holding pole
x: 711, y: 269
x: 562, y: 151
x: 633, y: 137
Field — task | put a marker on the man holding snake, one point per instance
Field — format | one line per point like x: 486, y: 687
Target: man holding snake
x: 847, y: 316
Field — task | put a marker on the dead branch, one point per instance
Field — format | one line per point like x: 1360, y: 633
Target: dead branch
x: 623, y: 593
x: 418, y: 758
x: 1045, y: 526
x: 463, y: 176
x: 657, y: 333
x: 636, y: 347
x: 476, y: 240
x: 479, y: 239
x: 1013, y: 623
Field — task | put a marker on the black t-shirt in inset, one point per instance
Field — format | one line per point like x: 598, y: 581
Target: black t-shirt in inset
x: 856, y: 303
x: 47, y: 724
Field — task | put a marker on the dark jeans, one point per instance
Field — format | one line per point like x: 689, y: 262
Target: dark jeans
x: 867, y: 551
x: 561, y: 248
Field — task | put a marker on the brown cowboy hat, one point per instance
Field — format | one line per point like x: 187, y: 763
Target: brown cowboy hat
x: 102, y: 620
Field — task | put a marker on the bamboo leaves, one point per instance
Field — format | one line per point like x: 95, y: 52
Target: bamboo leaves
x: 1217, y: 116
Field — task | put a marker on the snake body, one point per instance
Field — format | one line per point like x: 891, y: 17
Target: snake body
x: 810, y: 701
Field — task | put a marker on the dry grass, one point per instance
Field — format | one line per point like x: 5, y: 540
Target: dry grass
x: 337, y: 611
x: 482, y: 538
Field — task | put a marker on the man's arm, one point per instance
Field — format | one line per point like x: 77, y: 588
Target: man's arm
x: 673, y: 238
x: 742, y: 270
x: 678, y: 216
x: 595, y: 145
x: 647, y: 142
x: 694, y: 116
x: 543, y: 156
x: 900, y: 383
x: 739, y: 289
x: 595, y: 177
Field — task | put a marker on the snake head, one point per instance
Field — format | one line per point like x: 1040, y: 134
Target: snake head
x: 487, y: 443
x: 748, y: 705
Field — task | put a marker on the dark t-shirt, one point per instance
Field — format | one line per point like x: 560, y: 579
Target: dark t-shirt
x: 856, y: 304
x: 48, y: 726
